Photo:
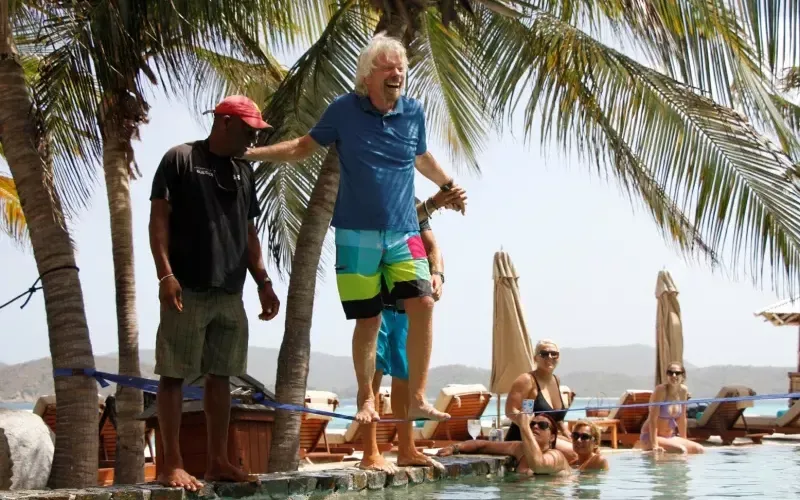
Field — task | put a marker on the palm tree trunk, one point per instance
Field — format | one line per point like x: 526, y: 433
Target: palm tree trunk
x: 293, y: 358
x: 75, y: 459
x: 129, y: 466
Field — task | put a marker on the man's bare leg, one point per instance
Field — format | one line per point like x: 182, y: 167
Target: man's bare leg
x: 365, y: 340
x: 217, y: 406
x: 407, y: 454
x: 418, y: 346
x: 170, y: 401
x: 373, y: 458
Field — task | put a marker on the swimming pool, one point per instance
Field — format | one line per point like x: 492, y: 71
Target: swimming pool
x: 762, y: 471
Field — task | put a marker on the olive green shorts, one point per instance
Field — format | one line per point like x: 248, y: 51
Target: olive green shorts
x: 209, y: 336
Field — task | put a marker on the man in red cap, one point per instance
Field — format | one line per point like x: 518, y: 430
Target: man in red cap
x: 203, y: 240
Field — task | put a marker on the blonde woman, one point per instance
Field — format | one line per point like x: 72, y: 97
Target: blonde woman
x: 535, y: 452
x: 586, y: 445
x: 666, y: 426
x: 544, y: 388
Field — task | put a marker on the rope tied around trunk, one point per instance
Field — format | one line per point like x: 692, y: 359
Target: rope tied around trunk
x: 34, y: 288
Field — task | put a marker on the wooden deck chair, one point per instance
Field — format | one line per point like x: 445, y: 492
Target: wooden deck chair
x: 312, y: 429
x: 630, y: 419
x: 787, y: 423
x: 720, y: 418
x: 351, y: 437
x: 460, y: 401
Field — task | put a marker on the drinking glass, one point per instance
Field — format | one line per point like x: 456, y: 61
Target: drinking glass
x: 474, y: 428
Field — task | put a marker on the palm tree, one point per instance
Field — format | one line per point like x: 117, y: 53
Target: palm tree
x: 97, y: 57
x: 30, y: 160
x: 677, y: 138
x: 12, y: 220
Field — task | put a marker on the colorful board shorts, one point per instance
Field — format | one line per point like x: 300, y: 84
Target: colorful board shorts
x: 362, y: 256
x: 391, y: 356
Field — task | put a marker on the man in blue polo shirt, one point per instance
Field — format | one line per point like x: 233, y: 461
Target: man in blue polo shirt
x: 380, y: 138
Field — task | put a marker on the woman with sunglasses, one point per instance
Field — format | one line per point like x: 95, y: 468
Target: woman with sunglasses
x: 586, y: 444
x: 665, y: 427
x: 544, y: 388
x: 535, y: 452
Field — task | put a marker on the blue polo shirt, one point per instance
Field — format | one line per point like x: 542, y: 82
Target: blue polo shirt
x: 377, y: 153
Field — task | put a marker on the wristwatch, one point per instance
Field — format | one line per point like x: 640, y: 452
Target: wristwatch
x: 446, y: 186
x: 264, y: 282
x: 440, y: 274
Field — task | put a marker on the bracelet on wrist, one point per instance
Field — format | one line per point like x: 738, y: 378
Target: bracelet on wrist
x: 165, y: 277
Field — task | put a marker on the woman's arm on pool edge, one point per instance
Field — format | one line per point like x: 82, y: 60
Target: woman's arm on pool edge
x: 653, y: 413
x: 683, y: 421
x: 510, y: 448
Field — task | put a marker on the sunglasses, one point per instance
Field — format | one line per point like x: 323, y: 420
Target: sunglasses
x: 581, y: 436
x: 675, y: 372
x: 549, y: 354
x: 541, y: 424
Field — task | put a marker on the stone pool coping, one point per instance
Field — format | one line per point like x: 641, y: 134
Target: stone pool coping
x: 319, y: 483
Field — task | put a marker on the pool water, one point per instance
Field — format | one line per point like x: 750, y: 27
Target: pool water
x: 770, y: 471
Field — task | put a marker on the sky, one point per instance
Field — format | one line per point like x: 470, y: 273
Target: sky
x: 587, y: 261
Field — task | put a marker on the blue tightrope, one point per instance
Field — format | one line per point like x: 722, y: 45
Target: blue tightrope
x: 149, y: 385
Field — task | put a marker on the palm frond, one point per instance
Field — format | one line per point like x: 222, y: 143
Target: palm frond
x: 791, y: 80
x: 65, y: 102
x: 732, y: 179
x: 12, y: 220
x: 774, y: 27
x: 325, y: 71
x: 210, y: 76
x: 445, y: 76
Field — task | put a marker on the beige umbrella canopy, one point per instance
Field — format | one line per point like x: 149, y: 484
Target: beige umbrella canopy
x: 669, y: 330
x: 512, y: 353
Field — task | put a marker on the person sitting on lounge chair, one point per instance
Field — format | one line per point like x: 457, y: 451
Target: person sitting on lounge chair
x: 666, y: 426
x: 544, y: 388
x: 535, y: 452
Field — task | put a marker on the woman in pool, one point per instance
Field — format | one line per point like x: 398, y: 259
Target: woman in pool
x: 544, y: 388
x: 534, y: 452
x: 585, y: 443
x: 665, y: 427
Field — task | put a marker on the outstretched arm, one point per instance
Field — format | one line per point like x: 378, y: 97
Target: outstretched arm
x: 293, y: 150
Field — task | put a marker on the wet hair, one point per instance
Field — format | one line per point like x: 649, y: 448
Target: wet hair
x: 593, y: 430
x: 380, y: 44
x: 553, y: 431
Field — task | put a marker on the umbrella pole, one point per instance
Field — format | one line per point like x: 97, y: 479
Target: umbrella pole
x: 499, y: 424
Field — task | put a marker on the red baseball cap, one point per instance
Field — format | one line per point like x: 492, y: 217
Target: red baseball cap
x: 244, y: 108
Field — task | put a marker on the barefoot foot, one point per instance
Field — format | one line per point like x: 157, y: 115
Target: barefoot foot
x: 425, y: 411
x: 226, y: 471
x: 367, y: 414
x: 378, y: 463
x: 179, y: 478
x: 417, y: 459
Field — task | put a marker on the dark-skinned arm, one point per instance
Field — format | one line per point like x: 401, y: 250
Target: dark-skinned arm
x: 159, y: 236
x: 255, y: 261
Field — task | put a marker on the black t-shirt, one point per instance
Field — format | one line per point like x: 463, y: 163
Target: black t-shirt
x: 389, y: 302
x: 213, y: 199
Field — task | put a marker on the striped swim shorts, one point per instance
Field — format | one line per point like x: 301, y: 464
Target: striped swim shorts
x: 362, y: 256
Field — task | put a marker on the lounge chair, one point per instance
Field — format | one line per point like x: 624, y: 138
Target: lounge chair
x: 45, y: 407
x: 313, y: 427
x: 630, y: 419
x: 351, y: 438
x: 787, y: 423
x: 720, y: 418
x: 460, y: 401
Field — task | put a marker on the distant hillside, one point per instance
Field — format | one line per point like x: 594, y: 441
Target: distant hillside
x: 590, y: 372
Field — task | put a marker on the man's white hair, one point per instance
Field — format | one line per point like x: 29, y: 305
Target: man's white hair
x: 380, y: 44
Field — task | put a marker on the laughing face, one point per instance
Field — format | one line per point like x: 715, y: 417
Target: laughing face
x: 385, y: 82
